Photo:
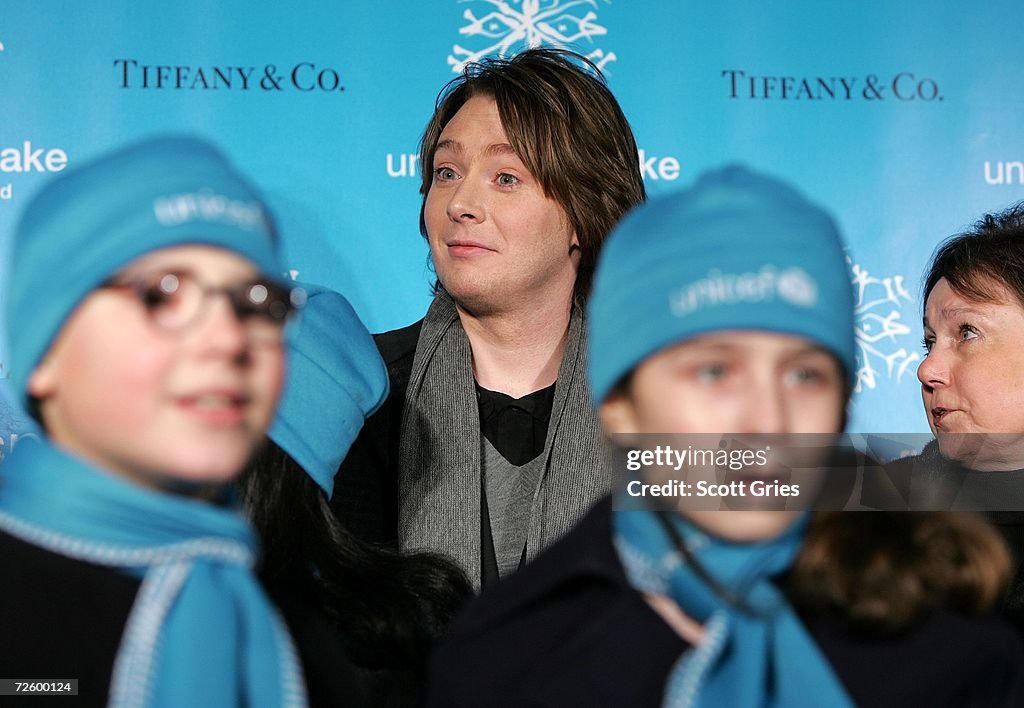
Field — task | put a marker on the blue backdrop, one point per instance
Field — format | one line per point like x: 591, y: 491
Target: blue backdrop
x: 903, y: 118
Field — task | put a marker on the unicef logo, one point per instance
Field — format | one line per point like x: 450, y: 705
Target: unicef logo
x: 796, y: 287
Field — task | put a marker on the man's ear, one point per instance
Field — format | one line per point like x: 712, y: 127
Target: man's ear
x: 617, y: 414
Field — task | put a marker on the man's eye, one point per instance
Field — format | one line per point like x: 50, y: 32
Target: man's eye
x: 445, y: 174
x: 507, y: 180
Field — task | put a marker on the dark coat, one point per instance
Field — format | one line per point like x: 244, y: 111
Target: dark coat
x: 570, y: 630
x: 62, y: 618
x: 365, y: 495
x: 905, y: 474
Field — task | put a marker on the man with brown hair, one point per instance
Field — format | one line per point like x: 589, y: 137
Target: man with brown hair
x: 487, y: 449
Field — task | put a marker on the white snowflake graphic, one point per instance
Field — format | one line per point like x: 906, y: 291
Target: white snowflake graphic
x: 529, y: 23
x: 878, y: 324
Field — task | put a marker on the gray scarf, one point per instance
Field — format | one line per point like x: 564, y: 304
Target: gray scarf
x: 439, y: 451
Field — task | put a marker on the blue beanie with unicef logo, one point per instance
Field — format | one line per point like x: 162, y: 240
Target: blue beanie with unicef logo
x: 737, y: 250
x: 336, y: 379
x: 88, y: 223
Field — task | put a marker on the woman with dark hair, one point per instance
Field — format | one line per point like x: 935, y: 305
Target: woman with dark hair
x: 972, y: 379
x: 727, y: 309
x: 364, y: 618
x: 972, y: 385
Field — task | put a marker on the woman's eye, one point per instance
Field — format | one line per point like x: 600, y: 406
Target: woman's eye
x: 507, y: 180
x: 445, y: 174
x: 967, y: 332
x: 928, y: 342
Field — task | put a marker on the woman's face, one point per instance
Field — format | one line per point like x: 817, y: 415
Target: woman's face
x: 160, y: 407
x: 972, y: 379
x: 733, y: 382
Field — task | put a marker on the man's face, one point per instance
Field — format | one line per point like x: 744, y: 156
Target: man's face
x: 497, y: 241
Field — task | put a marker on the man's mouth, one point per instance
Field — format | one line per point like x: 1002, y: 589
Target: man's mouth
x: 467, y: 247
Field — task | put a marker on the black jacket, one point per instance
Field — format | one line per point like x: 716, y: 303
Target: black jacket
x: 570, y: 630
x: 365, y: 495
x: 902, y: 475
x: 62, y: 618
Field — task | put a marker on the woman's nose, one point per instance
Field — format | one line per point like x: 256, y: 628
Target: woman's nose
x: 934, y: 370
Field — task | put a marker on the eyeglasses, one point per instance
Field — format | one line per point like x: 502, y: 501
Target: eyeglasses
x: 176, y: 300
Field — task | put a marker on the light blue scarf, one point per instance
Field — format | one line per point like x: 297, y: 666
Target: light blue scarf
x: 745, y: 660
x: 201, y: 631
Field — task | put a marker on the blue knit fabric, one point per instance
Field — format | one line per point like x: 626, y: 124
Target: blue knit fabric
x: 336, y: 379
x: 738, y: 250
x: 754, y: 656
x: 201, y: 631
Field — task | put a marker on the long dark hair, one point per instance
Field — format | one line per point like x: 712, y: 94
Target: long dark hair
x: 389, y: 608
x: 883, y: 572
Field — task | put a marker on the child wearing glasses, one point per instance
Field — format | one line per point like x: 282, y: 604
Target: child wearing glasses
x: 145, y: 313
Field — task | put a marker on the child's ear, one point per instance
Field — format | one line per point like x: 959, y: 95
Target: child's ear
x: 617, y: 414
x: 42, y: 382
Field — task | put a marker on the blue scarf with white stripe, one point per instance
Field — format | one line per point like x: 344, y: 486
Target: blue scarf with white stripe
x: 755, y: 651
x: 201, y: 630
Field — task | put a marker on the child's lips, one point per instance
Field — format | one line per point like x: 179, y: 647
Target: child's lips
x: 218, y: 408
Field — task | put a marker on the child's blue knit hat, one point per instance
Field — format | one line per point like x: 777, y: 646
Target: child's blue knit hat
x: 89, y: 222
x: 738, y: 250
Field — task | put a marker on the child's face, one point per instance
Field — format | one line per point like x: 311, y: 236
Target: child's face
x: 733, y: 382
x: 155, y: 406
